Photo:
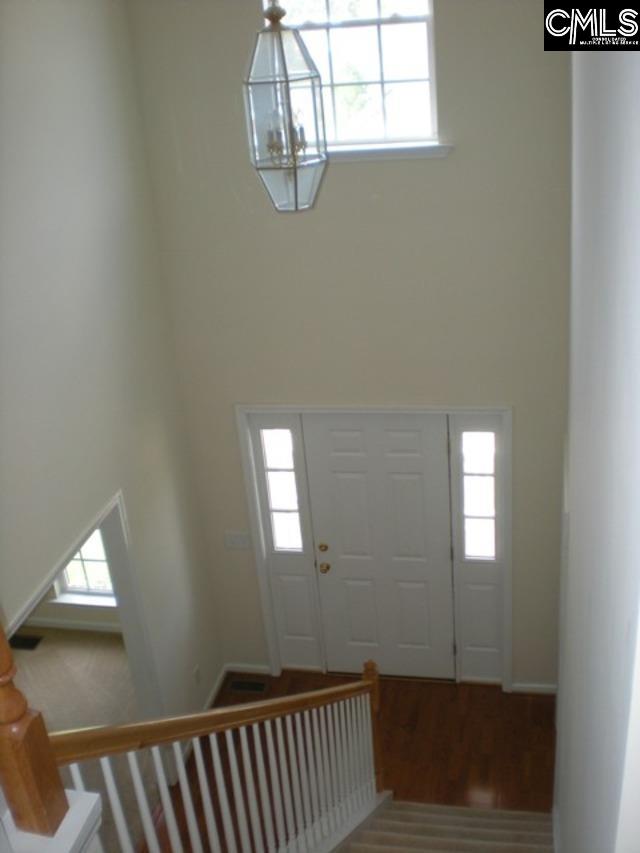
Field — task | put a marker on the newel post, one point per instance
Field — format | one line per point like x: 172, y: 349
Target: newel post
x: 28, y: 772
x: 371, y: 675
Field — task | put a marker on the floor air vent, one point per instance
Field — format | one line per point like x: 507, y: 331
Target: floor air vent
x: 244, y: 685
x: 25, y: 641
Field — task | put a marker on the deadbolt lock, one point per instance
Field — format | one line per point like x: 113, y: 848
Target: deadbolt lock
x: 324, y: 568
x: 323, y: 547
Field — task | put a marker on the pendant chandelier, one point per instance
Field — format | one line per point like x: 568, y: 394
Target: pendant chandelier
x: 285, y: 119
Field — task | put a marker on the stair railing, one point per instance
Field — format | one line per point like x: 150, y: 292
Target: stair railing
x: 297, y: 773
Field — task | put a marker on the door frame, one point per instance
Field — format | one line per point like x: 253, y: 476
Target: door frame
x: 243, y: 413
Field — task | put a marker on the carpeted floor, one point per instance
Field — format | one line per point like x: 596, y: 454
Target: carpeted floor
x: 77, y: 678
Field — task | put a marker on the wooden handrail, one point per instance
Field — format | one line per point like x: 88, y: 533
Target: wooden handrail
x: 83, y: 744
x: 28, y: 773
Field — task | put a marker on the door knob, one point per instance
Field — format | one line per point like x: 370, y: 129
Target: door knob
x: 323, y: 547
x: 324, y: 568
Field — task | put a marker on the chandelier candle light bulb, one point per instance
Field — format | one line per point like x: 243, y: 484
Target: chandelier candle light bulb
x: 285, y: 120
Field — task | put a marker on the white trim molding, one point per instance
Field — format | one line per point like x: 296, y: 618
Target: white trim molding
x: 76, y: 834
x: 73, y: 625
x: 399, y: 151
x: 83, y: 599
x: 533, y: 687
x: 354, y: 824
x: 213, y: 693
x: 557, y: 844
x: 249, y: 668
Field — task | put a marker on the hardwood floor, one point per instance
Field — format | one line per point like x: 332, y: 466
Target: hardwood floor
x: 454, y: 744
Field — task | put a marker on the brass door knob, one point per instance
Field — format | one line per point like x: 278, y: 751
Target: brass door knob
x: 323, y: 547
x: 324, y: 568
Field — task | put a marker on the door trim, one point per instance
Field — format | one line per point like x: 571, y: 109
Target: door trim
x: 243, y: 413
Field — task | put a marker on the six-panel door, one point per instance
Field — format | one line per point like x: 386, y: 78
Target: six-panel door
x: 380, y: 504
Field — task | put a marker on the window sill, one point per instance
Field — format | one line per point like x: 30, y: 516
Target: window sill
x: 84, y: 600
x: 402, y: 151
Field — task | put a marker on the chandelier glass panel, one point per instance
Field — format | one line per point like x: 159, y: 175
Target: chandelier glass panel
x: 285, y: 120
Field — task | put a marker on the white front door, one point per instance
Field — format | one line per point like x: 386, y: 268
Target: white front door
x: 380, y: 504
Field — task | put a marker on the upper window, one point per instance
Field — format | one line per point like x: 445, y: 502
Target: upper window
x: 375, y: 58
x: 87, y: 572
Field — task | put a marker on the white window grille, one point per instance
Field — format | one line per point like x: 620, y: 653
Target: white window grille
x: 282, y: 491
x: 479, y: 495
x: 376, y: 61
x: 87, y: 572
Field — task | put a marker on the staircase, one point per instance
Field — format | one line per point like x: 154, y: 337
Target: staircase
x: 405, y: 827
x: 298, y: 774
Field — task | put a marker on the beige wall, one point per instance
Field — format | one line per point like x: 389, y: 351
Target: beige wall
x: 423, y: 282
x: 598, y: 763
x: 87, y: 404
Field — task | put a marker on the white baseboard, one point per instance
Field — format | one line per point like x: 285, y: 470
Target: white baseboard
x: 533, y: 687
x: 75, y: 625
x: 557, y: 846
x: 213, y: 693
x: 256, y: 668
x: 354, y: 823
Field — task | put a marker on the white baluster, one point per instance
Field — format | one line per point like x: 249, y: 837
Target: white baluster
x: 143, y: 804
x: 241, y: 814
x: 264, y: 789
x: 346, y: 757
x: 275, y: 788
x: 342, y: 786
x: 76, y: 777
x: 371, y: 771
x: 295, y: 785
x: 313, y: 779
x: 304, y: 781
x: 332, y: 773
x: 187, y: 800
x: 362, y: 770
x: 116, y: 806
x: 286, y: 786
x: 78, y: 784
x: 205, y: 792
x: 252, y: 799
x: 167, y: 803
x: 227, y: 822
x: 365, y: 738
x: 352, y: 734
x: 323, y: 780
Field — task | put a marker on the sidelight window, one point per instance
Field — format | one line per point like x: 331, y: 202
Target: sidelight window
x: 282, y: 490
x: 479, y: 495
